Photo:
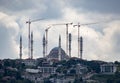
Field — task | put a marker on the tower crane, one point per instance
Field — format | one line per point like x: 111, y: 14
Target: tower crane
x: 46, y: 32
x: 79, y: 25
x: 29, y: 37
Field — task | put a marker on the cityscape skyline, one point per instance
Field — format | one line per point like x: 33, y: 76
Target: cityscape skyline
x: 101, y: 40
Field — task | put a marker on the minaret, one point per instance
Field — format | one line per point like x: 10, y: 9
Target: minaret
x: 59, y: 52
x: 31, y: 45
x: 70, y: 38
x: 81, y: 46
x: 44, y: 42
x: 20, y: 47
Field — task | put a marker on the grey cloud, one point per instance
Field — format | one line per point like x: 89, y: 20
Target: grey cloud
x: 34, y: 9
x: 106, y: 6
x: 16, y: 5
x: 52, y: 10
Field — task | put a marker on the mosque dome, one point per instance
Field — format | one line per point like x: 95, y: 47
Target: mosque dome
x: 54, y: 54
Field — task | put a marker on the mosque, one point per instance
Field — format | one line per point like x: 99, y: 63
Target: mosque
x: 54, y: 54
x: 57, y: 53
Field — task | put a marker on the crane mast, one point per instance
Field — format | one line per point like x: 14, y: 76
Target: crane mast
x: 29, y: 22
x: 67, y: 38
x: 78, y: 25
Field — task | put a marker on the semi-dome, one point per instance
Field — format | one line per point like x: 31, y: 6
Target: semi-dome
x: 54, y: 54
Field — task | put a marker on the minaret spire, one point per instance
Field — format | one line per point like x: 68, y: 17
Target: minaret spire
x: 20, y: 47
x: 70, y: 38
x: 31, y: 45
x: 59, y: 52
x: 81, y: 47
x: 44, y: 43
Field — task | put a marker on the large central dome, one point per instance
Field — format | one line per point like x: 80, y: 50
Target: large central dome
x: 54, y: 54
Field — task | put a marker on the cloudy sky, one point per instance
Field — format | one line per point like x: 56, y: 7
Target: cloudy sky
x: 101, y: 40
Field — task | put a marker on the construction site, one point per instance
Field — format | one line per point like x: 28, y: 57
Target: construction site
x: 68, y: 40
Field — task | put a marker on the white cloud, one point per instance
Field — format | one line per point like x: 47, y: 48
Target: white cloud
x: 8, y: 32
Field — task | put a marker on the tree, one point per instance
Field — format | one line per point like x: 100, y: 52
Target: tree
x: 6, y: 63
x: 110, y: 80
x: 47, y: 81
x: 117, y: 63
x: 78, y: 80
x: 94, y: 66
x: 117, y: 74
x: 65, y: 71
x: 72, y: 71
x: 1, y: 66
